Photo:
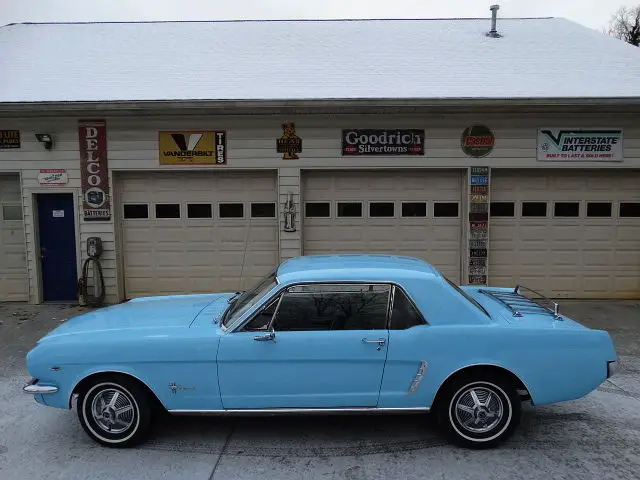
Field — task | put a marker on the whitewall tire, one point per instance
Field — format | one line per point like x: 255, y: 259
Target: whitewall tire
x: 115, y: 411
x: 479, y: 411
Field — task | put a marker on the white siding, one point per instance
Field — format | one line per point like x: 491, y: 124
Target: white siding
x: 289, y: 185
x: 13, y: 260
x: 251, y: 140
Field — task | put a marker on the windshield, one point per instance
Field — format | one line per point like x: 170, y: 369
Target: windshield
x: 243, y: 302
x: 468, y: 297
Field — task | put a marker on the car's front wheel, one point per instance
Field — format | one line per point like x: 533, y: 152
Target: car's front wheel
x: 479, y: 412
x: 114, y: 411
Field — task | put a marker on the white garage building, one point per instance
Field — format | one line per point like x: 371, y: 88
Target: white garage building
x: 202, y: 154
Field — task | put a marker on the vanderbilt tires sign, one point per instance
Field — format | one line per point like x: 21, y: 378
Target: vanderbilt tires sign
x: 203, y: 147
x: 580, y: 145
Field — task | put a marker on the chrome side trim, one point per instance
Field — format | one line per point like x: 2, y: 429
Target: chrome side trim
x: 304, y: 411
x: 418, y: 378
x: 32, y: 388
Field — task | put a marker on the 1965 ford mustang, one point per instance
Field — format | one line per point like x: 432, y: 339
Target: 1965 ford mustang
x: 323, y: 334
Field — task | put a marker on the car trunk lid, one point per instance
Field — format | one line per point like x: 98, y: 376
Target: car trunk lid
x: 521, y: 307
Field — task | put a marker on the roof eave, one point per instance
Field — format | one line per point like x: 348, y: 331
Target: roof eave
x: 126, y: 107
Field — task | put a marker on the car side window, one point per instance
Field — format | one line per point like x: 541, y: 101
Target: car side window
x: 404, y: 314
x: 260, y: 322
x: 333, y: 307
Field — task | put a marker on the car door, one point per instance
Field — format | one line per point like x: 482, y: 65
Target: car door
x: 314, y: 346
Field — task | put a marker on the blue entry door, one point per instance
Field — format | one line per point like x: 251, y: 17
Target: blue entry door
x: 57, y: 246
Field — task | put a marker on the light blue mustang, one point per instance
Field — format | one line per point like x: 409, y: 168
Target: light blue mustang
x: 322, y: 334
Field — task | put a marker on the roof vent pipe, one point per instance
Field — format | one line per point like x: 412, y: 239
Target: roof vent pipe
x: 494, y: 22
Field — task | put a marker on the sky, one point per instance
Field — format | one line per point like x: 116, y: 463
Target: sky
x: 592, y: 13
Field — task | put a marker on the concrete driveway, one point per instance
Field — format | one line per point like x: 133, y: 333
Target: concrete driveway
x: 596, y: 437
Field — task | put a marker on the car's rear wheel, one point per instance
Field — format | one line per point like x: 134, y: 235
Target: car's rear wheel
x: 115, y: 411
x: 479, y: 411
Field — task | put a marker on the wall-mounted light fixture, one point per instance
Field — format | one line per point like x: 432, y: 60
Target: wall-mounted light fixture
x: 46, y: 139
x: 290, y: 214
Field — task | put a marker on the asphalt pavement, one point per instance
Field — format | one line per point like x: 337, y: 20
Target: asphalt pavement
x: 593, y: 438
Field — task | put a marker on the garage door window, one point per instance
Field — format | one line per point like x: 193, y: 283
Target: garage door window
x: 630, y: 210
x: 534, y: 209
x: 263, y: 210
x: 566, y: 209
x: 136, y: 210
x: 199, y: 210
x: 349, y: 209
x: 414, y: 209
x: 317, y: 209
x: 11, y: 212
x: 167, y: 210
x: 599, y: 209
x: 503, y: 209
x: 445, y: 209
x: 231, y: 210
x: 381, y: 209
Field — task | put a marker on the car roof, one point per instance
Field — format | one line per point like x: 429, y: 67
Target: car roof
x: 354, y: 267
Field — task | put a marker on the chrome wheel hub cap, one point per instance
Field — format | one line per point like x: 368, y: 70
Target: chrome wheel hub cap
x: 112, y: 410
x: 479, y: 410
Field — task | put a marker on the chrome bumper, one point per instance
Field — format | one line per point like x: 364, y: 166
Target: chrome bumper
x: 33, y: 388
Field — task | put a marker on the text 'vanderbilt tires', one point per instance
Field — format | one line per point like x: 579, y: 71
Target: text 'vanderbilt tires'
x: 115, y: 411
x: 479, y: 411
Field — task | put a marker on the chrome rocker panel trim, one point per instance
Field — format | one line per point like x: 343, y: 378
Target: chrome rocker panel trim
x: 32, y: 388
x: 302, y: 411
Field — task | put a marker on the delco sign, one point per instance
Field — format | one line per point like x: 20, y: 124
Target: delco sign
x: 383, y: 142
x: 94, y: 171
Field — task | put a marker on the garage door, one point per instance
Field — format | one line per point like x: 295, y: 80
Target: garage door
x: 197, y: 232
x: 568, y: 233
x: 13, y: 263
x: 415, y: 213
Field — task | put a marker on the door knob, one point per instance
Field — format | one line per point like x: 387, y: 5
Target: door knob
x: 379, y: 341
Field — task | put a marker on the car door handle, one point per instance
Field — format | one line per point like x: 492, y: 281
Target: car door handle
x: 379, y: 341
x: 269, y: 337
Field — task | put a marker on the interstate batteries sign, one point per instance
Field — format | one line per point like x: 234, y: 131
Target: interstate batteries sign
x: 580, y: 145
x: 383, y: 142
x: 203, y: 147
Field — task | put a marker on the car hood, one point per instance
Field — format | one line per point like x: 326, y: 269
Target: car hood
x: 143, y: 313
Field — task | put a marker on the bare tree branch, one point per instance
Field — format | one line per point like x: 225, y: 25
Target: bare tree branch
x: 625, y: 25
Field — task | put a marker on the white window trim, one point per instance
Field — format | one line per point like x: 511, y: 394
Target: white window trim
x: 395, y: 209
x: 426, y: 208
x: 125, y: 219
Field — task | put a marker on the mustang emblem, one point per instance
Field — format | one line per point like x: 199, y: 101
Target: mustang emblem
x: 174, y: 387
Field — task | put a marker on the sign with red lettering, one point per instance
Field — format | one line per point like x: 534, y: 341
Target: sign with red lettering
x: 96, y: 201
x: 478, y: 141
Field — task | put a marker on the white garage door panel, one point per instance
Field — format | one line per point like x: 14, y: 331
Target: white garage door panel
x: 13, y: 264
x: 187, y: 255
x: 437, y: 240
x: 580, y: 257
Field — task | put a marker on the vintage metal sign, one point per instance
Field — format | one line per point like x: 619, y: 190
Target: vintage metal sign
x: 9, y: 139
x: 94, y: 170
x: 53, y: 177
x: 478, y: 141
x: 194, y: 147
x: 580, y: 145
x: 289, y: 144
x: 383, y: 142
